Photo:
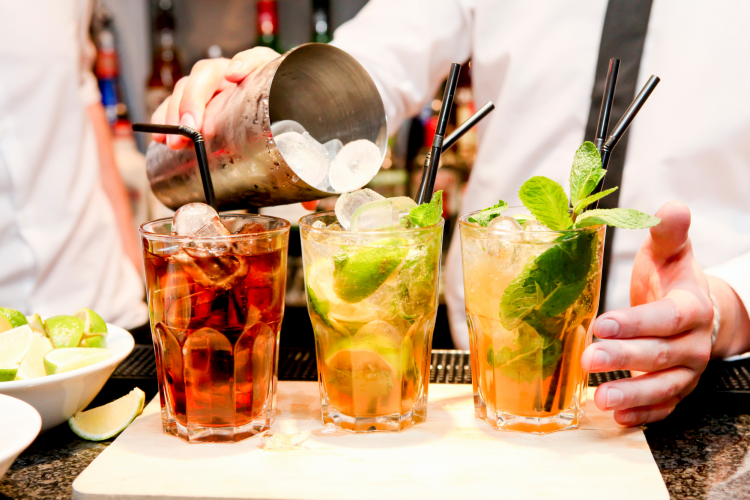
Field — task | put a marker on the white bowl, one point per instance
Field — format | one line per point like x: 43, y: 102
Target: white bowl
x: 19, y: 426
x: 58, y: 397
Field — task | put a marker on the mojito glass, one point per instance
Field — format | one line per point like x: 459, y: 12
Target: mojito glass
x: 215, y: 306
x: 531, y: 297
x: 372, y: 298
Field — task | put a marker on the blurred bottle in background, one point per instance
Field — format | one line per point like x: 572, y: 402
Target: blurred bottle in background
x: 106, y: 66
x: 268, y: 25
x: 321, y: 21
x: 165, y: 65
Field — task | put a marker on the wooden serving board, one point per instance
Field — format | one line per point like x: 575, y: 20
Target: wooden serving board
x: 451, y: 456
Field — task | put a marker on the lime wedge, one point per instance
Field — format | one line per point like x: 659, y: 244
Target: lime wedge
x: 8, y: 372
x: 33, y: 364
x: 109, y: 420
x: 5, y: 324
x: 92, y: 322
x: 36, y: 324
x: 381, y: 215
x: 93, y: 341
x: 14, y: 345
x: 70, y: 358
x: 15, y: 318
x: 359, y: 273
x: 65, y: 331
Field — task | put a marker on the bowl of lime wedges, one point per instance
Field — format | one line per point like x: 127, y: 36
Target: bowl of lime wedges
x: 58, y: 365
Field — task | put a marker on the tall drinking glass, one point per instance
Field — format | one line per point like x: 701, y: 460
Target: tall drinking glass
x: 531, y: 298
x: 216, y: 305
x: 372, y: 298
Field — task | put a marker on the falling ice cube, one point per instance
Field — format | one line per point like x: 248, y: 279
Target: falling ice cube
x: 307, y: 158
x: 283, y: 126
x: 348, y: 203
x: 354, y: 165
x: 192, y: 217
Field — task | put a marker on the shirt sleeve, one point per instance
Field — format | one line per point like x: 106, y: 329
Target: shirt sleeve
x: 407, y: 46
x: 89, y: 87
x: 736, y: 273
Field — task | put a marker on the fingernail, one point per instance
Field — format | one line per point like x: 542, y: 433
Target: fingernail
x: 629, y: 418
x: 187, y: 120
x: 614, y: 398
x: 601, y: 360
x: 235, y: 66
x: 608, y: 328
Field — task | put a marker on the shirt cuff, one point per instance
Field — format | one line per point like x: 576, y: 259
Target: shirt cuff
x: 736, y: 273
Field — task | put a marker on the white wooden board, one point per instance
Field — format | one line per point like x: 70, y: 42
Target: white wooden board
x: 451, y: 456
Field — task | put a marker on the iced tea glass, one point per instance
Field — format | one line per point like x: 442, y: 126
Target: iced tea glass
x: 372, y: 298
x: 215, y: 307
x: 531, y: 298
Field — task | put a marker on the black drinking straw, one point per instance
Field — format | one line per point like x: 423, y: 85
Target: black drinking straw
x: 200, y: 152
x: 467, y: 125
x: 430, y: 168
x: 607, y: 100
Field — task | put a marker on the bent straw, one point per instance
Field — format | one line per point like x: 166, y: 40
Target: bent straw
x: 467, y: 125
x: 607, y: 99
x: 200, y: 153
x: 431, y: 164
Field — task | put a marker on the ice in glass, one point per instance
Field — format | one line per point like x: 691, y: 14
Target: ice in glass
x: 372, y: 293
x: 216, y: 300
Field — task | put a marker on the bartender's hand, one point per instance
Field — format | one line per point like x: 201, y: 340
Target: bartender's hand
x: 667, y: 331
x: 196, y: 98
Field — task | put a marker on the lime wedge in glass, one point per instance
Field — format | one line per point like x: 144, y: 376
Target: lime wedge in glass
x: 382, y: 215
x: 33, y: 364
x: 65, y: 331
x: 14, y: 317
x: 36, y: 324
x: 70, y: 358
x: 359, y: 273
x: 8, y: 372
x: 14, y: 345
x: 109, y: 420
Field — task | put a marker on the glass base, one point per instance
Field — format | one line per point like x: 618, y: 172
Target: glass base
x: 502, y: 421
x: 219, y: 434
x: 395, y: 422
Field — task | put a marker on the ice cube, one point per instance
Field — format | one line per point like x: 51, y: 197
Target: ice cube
x: 348, y: 203
x: 534, y: 225
x: 504, y: 223
x: 251, y: 228
x: 333, y: 147
x: 213, y: 229
x: 308, y: 158
x: 319, y: 224
x: 354, y: 165
x: 192, y: 217
x: 381, y: 215
x: 284, y: 126
x: 212, y: 266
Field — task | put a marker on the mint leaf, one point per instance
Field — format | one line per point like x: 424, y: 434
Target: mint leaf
x: 586, y: 172
x: 591, y: 199
x: 484, y: 217
x: 546, y: 201
x: 428, y: 214
x: 626, y: 218
x: 533, y: 357
x: 549, y: 284
x: 319, y: 307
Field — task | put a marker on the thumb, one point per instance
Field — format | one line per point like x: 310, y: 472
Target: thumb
x: 670, y: 237
x: 244, y: 63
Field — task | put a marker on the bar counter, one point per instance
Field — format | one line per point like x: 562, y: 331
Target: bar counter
x: 700, y: 449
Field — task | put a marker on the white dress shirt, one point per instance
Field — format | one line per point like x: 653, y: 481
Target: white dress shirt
x: 60, y: 248
x: 536, y: 62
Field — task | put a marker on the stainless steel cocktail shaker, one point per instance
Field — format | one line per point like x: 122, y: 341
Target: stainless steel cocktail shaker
x: 320, y: 86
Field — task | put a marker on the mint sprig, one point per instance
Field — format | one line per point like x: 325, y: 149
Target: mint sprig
x: 428, y: 214
x: 586, y: 172
x: 546, y: 201
x: 625, y: 218
x: 484, y: 217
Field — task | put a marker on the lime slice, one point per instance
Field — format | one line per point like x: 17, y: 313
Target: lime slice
x: 36, y: 324
x: 70, y: 358
x: 93, y: 341
x: 381, y: 215
x: 109, y: 420
x: 8, y: 372
x: 33, y: 364
x: 328, y: 305
x: 14, y: 345
x: 65, y: 331
x: 361, y: 373
x: 15, y: 318
x: 359, y: 273
x: 92, y: 322
x: 5, y: 324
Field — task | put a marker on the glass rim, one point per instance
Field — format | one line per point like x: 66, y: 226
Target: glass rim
x: 411, y: 231
x: 463, y: 221
x: 286, y: 226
